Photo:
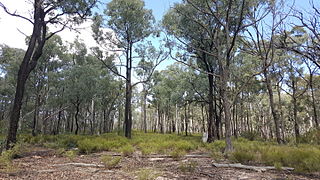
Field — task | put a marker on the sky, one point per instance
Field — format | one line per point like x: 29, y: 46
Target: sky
x: 13, y: 30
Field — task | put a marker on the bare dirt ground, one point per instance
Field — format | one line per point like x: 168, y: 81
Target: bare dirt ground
x: 44, y: 164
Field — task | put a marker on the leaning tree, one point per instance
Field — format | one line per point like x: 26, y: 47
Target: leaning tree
x: 61, y: 14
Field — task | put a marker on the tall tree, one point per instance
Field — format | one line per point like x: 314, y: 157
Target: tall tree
x: 130, y: 23
x: 212, y: 36
x: 45, y: 12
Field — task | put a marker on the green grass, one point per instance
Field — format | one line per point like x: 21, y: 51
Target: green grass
x: 302, y: 157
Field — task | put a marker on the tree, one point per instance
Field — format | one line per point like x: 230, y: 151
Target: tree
x: 45, y: 12
x: 130, y: 23
x: 212, y: 36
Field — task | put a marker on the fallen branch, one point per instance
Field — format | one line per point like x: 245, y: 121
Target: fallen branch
x: 255, y: 168
x: 169, y: 156
x: 80, y: 165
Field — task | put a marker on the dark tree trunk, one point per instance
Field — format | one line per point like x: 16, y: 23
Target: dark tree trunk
x: 128, y: 111
x: 186, y: 119
x: 76, y: 117
x: 29, y: 62
x: 210, y: 109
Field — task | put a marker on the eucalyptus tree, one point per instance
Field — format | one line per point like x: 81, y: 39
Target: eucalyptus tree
x: 48, y: 64
x: 300, y: 41
x: 263, y: 42
x: 80, y: 86
x: 9, y: 64
x: 209, y: 29
x: 130, y: 23
x: 45, y: 12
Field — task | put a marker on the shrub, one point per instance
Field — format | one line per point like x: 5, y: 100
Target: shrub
x: 177, y: 154
x: 147, y: 174
x: 70, y: 154
x: 311, y: 137
x: 126, y: 150
x: 242, y: 156
x: 110, y: 162
x: 188, y: 166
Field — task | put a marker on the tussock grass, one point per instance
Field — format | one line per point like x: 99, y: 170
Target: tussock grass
x: 302, y: 157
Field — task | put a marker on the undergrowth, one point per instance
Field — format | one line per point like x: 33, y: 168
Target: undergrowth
x: 302, y: 157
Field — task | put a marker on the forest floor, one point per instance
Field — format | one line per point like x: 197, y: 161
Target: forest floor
x: 44, y: 163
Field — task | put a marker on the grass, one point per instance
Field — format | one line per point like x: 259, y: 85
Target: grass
x: 110, y: 162
x: 7, y: 156
x: 189, y: 166
x: 147, y: 174
x: 302, y: 157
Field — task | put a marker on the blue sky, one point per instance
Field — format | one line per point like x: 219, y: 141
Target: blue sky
x: 158, y: 7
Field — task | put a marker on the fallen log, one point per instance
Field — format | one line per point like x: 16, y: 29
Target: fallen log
x: 80, y: 165
x: 255, y: 168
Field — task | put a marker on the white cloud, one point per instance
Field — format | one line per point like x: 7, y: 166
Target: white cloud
x: 13, y: 30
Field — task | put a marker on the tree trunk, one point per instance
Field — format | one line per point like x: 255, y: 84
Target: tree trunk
x: 29, y: 62
x: 314, y: 106
x: 35, y: 115
x: 226, y: 108
x: 144, y: 108
x: 273, y: 108
x: 210, y: 109
x: 186, y: 120
x: 76, y: 117
x: 128, y: 112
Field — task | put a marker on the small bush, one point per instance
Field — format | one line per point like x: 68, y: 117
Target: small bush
x: 188, y: 166
x: 7, y: 156
x: 126, y: 150
x: 147, y: 174
x: 217, y: 155
x: 70, y: 154
x: 242, y: 156
x: 177, y: 154
x: 278, y: 166
x: 110, y: 162
x: 311, y: 137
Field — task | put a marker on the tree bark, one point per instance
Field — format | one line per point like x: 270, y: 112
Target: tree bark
x: 226, y: 108
x: 210, y: 109
x: 128, y: 112
x: 314, y: 106
x: 29, y: 62
x: 273, y: 108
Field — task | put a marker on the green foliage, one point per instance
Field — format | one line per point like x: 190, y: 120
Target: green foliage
x: 126, y: 150
x: 242, y: 156
x: 311, y: 137
x: 278, y: 166
x: 110, y: 162
x: 129, y: 16
x: 8, y: 155
x: 177, y: 154
x: 71, y: 154
x: 189, y: 166
x: 302, y: 157
x: 147, y: 174
x: 250, y: 135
